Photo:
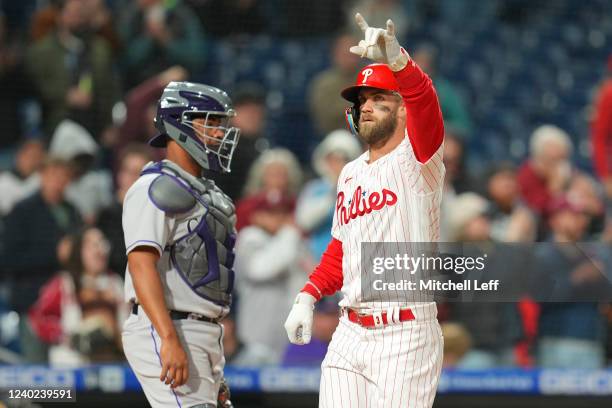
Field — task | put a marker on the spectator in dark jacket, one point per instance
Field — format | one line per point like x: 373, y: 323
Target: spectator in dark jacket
x: 34, y: 229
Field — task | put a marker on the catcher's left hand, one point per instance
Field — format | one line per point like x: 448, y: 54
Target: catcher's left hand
x: 380, y: 45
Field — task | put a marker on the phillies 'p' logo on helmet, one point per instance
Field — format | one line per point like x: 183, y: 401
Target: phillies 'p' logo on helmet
x: 377, y: 76
x: 366, y: 73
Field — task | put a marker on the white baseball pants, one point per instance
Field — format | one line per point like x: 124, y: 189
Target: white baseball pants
x: 397, y: 365
x: 202, y: 343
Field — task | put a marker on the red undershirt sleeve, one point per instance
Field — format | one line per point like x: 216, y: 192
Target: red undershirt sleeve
x: 326, y: 279
x: 423, y: 115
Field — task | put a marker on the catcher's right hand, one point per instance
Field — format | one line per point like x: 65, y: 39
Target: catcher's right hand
x: 380, y: 45
x: 299, y: 322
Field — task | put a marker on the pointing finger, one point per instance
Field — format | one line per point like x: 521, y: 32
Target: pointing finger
x: 390, y: 28
x: 361, y: 22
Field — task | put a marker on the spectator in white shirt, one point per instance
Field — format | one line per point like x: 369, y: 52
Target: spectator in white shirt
x: 271, y: 263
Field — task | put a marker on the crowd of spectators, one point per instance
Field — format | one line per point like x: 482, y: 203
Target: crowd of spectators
x: 79, y: 87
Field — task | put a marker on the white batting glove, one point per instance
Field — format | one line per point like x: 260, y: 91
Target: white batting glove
x: 299, y: 322
x: 380, y: 45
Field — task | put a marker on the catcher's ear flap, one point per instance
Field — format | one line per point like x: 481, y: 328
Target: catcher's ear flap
x: 352, y: 119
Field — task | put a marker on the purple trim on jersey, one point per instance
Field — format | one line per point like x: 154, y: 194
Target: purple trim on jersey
x: 155, y: 168
x: 127, y: 250
x: 160, y: 363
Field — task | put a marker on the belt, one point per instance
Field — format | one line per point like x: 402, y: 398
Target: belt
x: 378, y: 319
x: 176, y: 315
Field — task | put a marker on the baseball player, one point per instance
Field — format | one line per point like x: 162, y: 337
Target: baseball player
x: 179, y: 234
x: 382, y: 354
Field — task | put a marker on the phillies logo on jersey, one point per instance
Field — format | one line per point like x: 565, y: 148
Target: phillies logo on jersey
x: 360, y: 205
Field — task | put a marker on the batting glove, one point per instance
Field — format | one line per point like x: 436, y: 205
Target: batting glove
x: 299, y: 322
x: 380, y: 45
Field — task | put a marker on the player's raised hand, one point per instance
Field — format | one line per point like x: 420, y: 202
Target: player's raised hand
x: 380, y: 45
x: 299, y: 322
x: 175, y: 366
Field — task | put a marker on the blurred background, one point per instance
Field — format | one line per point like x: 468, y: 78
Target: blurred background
x: 526, y: 94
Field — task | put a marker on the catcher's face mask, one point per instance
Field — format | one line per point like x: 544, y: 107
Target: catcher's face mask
x: 197, y: 117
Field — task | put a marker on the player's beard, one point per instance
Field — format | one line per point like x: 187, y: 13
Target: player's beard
x: 376, y: 133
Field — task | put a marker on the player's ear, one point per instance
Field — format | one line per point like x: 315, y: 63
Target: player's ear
x: 401, y: 112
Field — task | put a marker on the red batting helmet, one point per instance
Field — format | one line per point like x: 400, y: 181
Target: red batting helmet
x: 373, y: 76
x: 377, y: 76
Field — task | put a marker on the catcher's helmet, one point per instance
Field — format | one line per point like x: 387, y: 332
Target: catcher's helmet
x: 377, y: 76
x: 179, y: 105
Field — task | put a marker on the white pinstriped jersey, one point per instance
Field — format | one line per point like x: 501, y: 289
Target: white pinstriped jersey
x: 393, y: 199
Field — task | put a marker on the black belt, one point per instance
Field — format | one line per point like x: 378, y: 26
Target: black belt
x: 176, y: 315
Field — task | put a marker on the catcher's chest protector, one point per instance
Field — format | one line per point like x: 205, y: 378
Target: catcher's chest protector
x: 204, y: 254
